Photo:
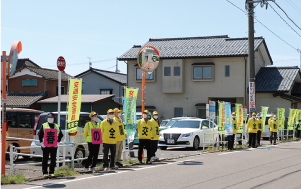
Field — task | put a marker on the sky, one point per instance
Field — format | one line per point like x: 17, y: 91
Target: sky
x: 104, y: 30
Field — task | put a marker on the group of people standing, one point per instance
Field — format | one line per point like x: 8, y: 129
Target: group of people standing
x: 255, y: 126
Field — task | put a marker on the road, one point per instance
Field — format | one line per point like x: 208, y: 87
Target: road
x: 267, y: 167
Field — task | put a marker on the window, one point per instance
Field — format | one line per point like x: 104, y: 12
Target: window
x: 201, y: 113
x: 227, y: 71
x: 106, y: 91
x: 29, y: 82
x: 202, y: 72
x: 62, y: 90
x: 166, y: 71
x: 83, y: 120
x: 25, y: 121
x: 147, y: 75
x: 11, y: 120
x: 205, y: 123
x: 178, y: 112
x: 176, y: 71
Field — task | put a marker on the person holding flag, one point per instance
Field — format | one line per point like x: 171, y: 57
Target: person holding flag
x: 49, y: 150
x: 260, y: 128
x: 252, y: 127
x: 232, y: 137
x: 273, y: 130
x: 120, y: 139
x: 93, y: 148
x: 298, y: 129
x: 155, y: 135
x: 144, y: 127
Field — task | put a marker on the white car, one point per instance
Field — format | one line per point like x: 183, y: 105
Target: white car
x: 188, y: 133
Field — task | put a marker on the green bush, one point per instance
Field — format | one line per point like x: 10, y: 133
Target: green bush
x: 13, y: 179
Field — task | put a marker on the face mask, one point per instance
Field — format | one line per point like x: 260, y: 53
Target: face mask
x: 94, y: 118
x: 144, y: 115
x: 234, y: 117
x: 50, y: 120
x: 275, y: 119
x: 111, y: 116
x: 254, y: 117
x: 119, y: 114
x: 156, y: 117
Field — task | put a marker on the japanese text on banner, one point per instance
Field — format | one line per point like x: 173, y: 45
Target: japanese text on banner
x: 74, y: 105
x: 240, y: 118
x: 221, y: 118
x: 228, y: 121
x: 281, y: 117
x: 130, y: 110
x: 291, y: 119
x: 264, y: 111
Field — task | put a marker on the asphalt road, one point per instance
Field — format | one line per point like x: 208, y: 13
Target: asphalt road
x: 267, y: 167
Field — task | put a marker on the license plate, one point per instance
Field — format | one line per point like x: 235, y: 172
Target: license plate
x: 170, y: 141
x: 263, y: 134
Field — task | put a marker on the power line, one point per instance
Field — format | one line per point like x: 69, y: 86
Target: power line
x: 286, y: 15
x: 293, y: 6
x: 263, y: 25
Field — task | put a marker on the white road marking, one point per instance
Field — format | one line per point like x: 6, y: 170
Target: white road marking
x: 108, y: 174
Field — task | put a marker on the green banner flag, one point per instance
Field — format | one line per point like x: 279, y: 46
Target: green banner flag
x: 281, y: 118
x: 264, y: 111
x: 240, y: 118
x: 298, y: 114
x: 221, y: 118
x: 291, y: 119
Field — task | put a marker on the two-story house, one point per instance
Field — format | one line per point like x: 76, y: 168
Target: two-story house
x: 194, y: 70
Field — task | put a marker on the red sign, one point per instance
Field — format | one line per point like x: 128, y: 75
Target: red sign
x: 96, y: 136
x: 61, y: 63
x: 50, y: 137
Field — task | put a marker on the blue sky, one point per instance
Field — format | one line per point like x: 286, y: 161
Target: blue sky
x: 104, y: 30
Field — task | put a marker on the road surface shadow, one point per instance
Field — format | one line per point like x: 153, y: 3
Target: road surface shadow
x: 54, y: 186
x: 191, y: 163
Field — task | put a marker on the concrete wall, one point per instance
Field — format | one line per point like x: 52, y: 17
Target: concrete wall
x: 92, y: 83
x: 172, y: 83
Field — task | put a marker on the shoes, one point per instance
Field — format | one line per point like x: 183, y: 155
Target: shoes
x: 155, y: 158
x: 105, y: 169
x: 45, y: 175
x: 275, y: 144
x: 148, y: 162
x: 114, y: 168
x: 93, y: 170
x: 119, y: 164
x: 86, y: 170
x: 51, y: 175
x: 140, y: 162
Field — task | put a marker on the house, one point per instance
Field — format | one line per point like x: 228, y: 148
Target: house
x: 194, y: 70
x: 98, y: 103
x: 96, y: 81
x: 31, y: 83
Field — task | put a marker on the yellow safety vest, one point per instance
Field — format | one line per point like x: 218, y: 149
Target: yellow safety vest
x: 274, y: 126
x: 46, y: 126
x: 260, y: 124
x: 121, y: 129
x: 155, y: 130
x: 252, y: 125
x: 91, y: 126
x: 144, y: 129
x: 234, y: 122
x: 109, y: 131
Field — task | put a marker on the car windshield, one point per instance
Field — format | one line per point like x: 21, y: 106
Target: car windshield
x: 163, y: 123
x: 187, y: 124
x: 171, y: 122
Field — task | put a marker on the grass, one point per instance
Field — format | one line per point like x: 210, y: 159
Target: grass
x: 13, y: 179
x: 67, y: 171
x: 130, y: 161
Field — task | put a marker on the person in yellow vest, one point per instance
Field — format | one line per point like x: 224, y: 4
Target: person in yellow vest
x: 273, y: 130
x: 120, y: 139
x: 260, y: 128
x: 298, y: 129
x: 49, y: 150
x: 110, y: 134
x: 232, y: 137
x: 93, y: 148
x: 144, y: 127
x: 155, y: 135
x: 252, y: 127
x: 271, y: 119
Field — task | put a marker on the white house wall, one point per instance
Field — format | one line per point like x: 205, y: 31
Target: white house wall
x: 267, y: 99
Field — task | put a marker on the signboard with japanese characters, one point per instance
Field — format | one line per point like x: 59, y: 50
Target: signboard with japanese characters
x: 252, y: 96
x: 96, y: 136
x: 211, y: 110
x: 50, y: 137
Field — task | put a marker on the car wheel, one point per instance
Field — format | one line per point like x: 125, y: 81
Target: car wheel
x: 196, y: 143
x: 15, y: 157
x: 163, y: 147
x: 79, y: 153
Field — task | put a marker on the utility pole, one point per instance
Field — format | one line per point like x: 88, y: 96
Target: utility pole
x: 90, y: 63
x: 116, y: 65
x: 299, y: 51
x: 251, y: 40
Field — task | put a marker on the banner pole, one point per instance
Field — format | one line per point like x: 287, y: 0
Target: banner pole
x: 143, y: 88
x: 4, y: 126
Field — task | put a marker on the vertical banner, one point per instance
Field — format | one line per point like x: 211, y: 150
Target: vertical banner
x: 96, y: 136
x: 291, y: 119
x: 74, y: 105
x: 221, y: 118
x: 211, y: 110
x: 264, y: 111
x: 252, y: 96
x: 129, y: 108
x: 240, y: 118
x: 281, y: 117
x: 50, y: 137
x: 228, y: 121
x: 298, y: 113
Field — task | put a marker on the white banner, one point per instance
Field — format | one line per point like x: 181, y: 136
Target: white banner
x: 252, y: 96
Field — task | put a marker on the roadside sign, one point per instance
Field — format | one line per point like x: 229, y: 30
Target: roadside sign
x: 61, y: 63
x: 245, y: 112
x: 16, y: 48
x: 252, y: 96
x: 207, y: 111
x: 211, y: 110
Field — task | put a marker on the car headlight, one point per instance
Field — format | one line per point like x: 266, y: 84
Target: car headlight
x: 187, y: 135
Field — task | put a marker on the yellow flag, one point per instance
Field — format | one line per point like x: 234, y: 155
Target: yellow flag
x: 75, y: 95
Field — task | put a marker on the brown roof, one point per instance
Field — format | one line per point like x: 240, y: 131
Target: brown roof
x: 85, y: 99
x: 23, y: 99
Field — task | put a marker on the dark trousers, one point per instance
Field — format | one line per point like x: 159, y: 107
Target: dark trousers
x: 252, y: 139
x: 273, y: 135
x: 154, y: 147
x: 46, y: 151
x: 106, y: 148
x: 93, y: 154
x: 144, y: 143
x: 230, y: 141
x: 258, y: 137
x: 298, y: 133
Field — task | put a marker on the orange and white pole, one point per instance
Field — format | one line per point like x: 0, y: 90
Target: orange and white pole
x: 143, y: 86
x: 4, y: 114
